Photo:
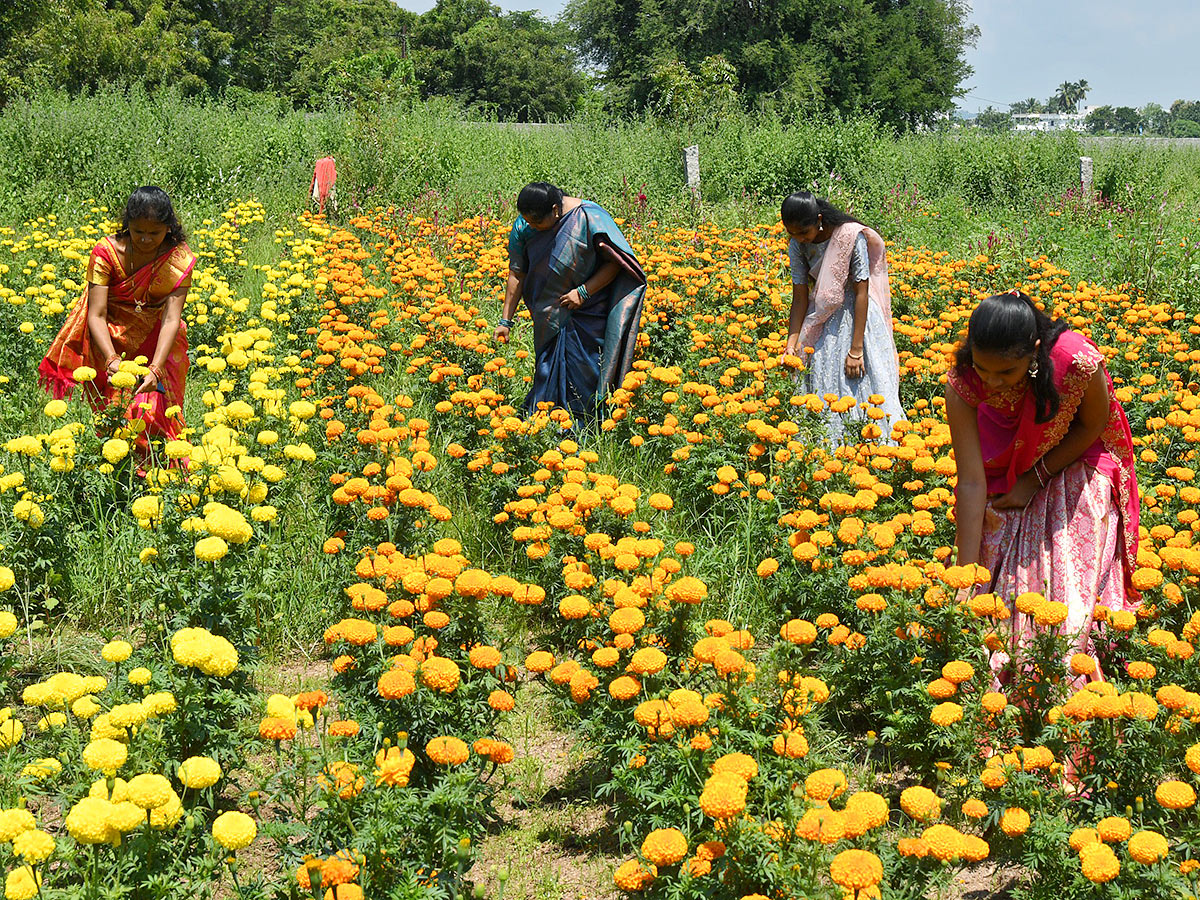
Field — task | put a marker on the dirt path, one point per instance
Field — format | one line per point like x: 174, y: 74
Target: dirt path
x: 554, y: 841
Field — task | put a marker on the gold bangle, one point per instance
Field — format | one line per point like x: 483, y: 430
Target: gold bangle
x: 855, y: 355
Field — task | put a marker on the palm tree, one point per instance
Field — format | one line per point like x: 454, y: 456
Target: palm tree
x: 1081, y: 91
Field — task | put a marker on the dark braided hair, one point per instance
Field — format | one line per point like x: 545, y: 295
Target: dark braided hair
x: 153, y: 203
x: 1010, y: 325
x: 803, y: 207
x: 538, y: 199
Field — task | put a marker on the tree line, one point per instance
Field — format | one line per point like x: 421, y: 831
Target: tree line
x: 1181, y: 120
x: 903, y: 62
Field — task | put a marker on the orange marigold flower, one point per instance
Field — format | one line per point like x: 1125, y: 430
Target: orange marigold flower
x: 689, y: 590
x: 665, y: 846
x: 440, y: 674
x: 447, y: 751
x: 539, y: 661
x: 624, y: 687
x: 1015, y: 821
x: 484, y: 657
x: 632, y: 876
x: 343, y: 728
x: 275, y: 728
x: 920, y: 803
x: 855, y: 870
x: 395, y: 683
x: 1175, y: 795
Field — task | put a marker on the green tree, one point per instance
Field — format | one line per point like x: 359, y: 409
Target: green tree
x: 1031, y: 105
x: 993, y: 120
x: 901, y: 60
x: 683, y: 96
x: 1157, y: 119
x: 1114, y: 120
x: 514, y: 65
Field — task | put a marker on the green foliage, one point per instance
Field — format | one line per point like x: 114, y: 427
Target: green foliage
x: 512, y: 65
x: 903, y: 61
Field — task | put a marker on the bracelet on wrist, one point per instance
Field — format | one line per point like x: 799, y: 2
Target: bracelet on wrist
x: 583, y: 292
x: 115, y: 357
x: 506, y: 323
x: 155, y: 371
x: 854, y: 355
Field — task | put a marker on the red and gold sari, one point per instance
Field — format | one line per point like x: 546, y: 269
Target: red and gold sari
x: 135, y: 304
x: 1076, y: 541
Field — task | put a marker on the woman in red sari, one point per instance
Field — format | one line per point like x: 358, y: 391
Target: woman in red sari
x: 132, y: 307
x: 1047, y: 497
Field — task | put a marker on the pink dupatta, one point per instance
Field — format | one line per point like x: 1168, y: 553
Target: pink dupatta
x: 1011, y: 441
x: 830, y: 291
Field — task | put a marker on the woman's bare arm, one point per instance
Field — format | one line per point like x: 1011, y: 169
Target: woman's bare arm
x: 970, y: 493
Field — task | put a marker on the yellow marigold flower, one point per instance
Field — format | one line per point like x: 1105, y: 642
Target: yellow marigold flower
x: 114, y: 449
x: 22, y: 884
x: 665, y: 846
x: 633, y: 877
x: 1098, y: 863
x: 856, y: 870
x: 921, y: 803
x: 234, y: 830
x: 211, y: 549
x: 941, y: 689
x: 141, y: 676
x: 11, y: 732
x: 105, y: 755
x: 14, y: 822
x: 1050, y: 614
x: 393, y: 766
x: 447, y: 751
x: 33, y: 846
x: 199, y: 772
x: 1175, y: 795
x: 8, y: 624
x: 1148, y: 847
x: 149, y: 790
x: 88, y: 821
x: 116, y: 651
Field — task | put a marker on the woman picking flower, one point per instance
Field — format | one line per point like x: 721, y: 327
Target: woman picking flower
x: 841, y: 315
x: 584, y: 289
x: 137, y: 281
x: 1047, y: 497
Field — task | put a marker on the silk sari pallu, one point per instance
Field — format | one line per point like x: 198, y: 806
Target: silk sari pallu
x: 135, y: 306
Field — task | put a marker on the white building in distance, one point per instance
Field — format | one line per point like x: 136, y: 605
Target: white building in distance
x: 1068, y: 121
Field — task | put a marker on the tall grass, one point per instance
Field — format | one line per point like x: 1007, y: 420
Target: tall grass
x: 61, y: 150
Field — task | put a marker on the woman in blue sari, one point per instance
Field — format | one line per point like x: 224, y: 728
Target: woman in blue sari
x: 584, y: 290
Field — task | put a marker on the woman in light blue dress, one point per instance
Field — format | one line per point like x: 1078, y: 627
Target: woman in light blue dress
x: 841, y: 315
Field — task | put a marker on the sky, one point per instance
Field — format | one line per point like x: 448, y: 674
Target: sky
x: 1130, y: 53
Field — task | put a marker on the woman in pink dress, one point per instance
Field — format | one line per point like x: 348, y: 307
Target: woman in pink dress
x: 1047, y: 497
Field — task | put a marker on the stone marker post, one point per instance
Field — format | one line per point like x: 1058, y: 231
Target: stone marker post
x: 691, y: 166
x: 1085, y: 173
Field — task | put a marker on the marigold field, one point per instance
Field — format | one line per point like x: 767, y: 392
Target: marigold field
x: 751, y: 638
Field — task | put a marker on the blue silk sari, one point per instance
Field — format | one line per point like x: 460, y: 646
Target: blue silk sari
x: 580, y: 355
